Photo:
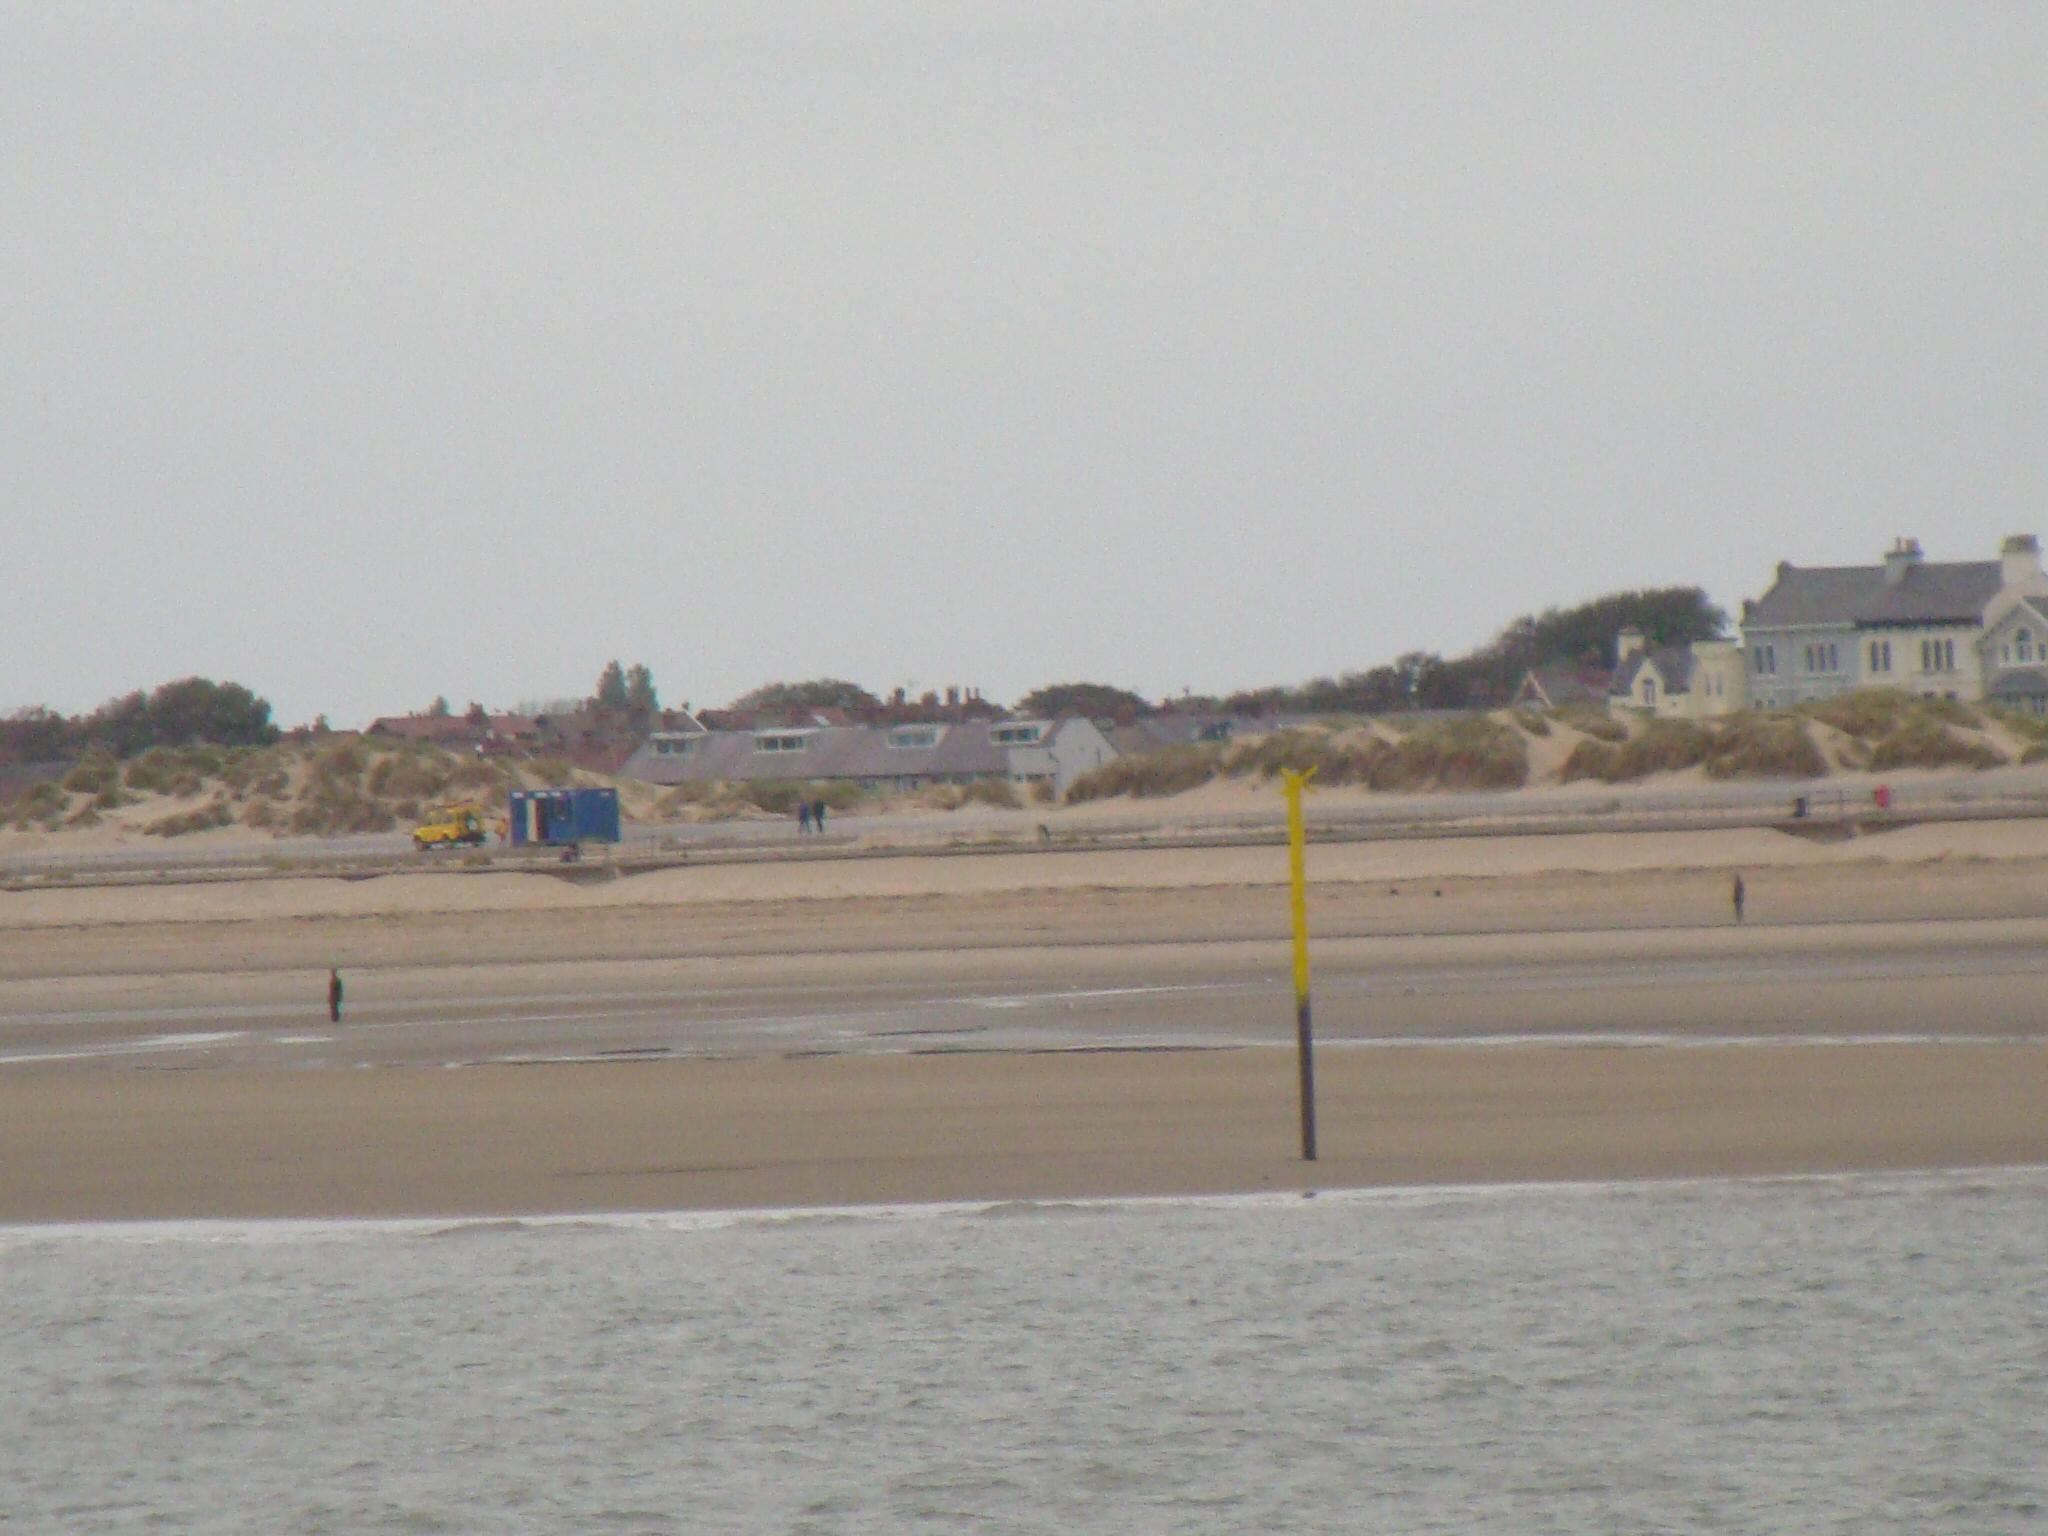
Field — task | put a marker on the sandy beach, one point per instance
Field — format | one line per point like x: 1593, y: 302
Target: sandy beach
x: 1024, y: 1026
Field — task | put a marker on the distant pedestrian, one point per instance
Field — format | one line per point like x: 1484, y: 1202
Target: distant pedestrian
x: 818, y: 814
x: 333, y: 996
x: 803, y: 817
x: 1737, y: 895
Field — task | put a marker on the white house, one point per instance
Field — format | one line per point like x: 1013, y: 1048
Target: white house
x: 1968, y: 629
x: 1688, y: 682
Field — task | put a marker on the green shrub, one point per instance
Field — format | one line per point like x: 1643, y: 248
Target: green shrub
x: 1331, y: 761
x: 94, y: 774
x: 782, y: 796
x: 1589, y: 760
x: 1167, y: 772
x: 408, y: 776
x: 215, y: 813
x: 1923, y: 742
x: 341, y: 763
x: 41, y: 804
x: 1000, y: 793
x: 554, y: 772
x: 2019, y: 722
x: 1867, y: 713
x: 329, y: 807
x: 1476, y: 752
x: 1764, y: 747
x: 1592, y: 722
x: 1663, y: 746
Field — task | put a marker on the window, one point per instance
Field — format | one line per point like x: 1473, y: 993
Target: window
x: 671, y: 746
x: 786, y: 742
x: 1937, y: 655
x: 1766, y: 657
x: 2023, y: 645
x: 1016, y: 735
x: 1649, y: 698
x: 905, y: 737
x: 1880, y: 655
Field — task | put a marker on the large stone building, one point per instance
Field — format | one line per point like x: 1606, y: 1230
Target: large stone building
x: 1967, y: 629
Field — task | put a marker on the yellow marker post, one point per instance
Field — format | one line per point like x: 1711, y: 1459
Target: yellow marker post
x: 1304, y: 1037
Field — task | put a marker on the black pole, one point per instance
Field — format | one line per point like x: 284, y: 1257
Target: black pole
x: 1305, y: 1037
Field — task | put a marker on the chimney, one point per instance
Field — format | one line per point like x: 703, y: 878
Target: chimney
x: 1903, y: 556
x: 1626, y: 644
x: 2020, y: 557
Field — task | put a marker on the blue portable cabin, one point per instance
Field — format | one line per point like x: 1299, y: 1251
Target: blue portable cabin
x: 556, y: 818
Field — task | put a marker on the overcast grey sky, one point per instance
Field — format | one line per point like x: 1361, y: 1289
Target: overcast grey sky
x: 364, y: 352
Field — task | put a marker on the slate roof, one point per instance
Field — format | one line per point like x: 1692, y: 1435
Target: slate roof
x: 1673, y: 664
x: 963, y: 749
x: 1554, y: 685
x: 1930, y: 592
x: 2018, y: 683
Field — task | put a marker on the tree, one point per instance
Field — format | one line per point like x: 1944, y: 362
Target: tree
x: 439, y: 708
x: 641, y: 698
x: 193, y: 709
x: 37, y: 734
x: 611, y: 686
x: 799, y: 698
x: 1096, y: 701
x: 198, y: 709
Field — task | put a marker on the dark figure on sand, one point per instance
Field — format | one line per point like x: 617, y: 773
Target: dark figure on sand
x: 803, y: 817
x: 334, y: 997
x: 818, y: 814
x: 1737, y: 895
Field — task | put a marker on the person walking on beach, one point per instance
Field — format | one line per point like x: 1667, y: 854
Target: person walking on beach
x: 1737, y: 895
x: 333, y: 996
x: 803, y: 817
x: 818, y: 814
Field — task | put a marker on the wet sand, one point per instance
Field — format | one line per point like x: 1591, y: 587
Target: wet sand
x: 853, y: 1130
x: 1925, y: 950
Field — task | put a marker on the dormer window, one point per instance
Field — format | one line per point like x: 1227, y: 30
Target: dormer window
x: 1016, y: 735
x: 781, y: 741
x: 907, y: 737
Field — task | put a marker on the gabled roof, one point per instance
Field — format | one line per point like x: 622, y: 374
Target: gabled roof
x: 1672, y: 663
x: 1554, y: 685
x: 1928, y: 592
x: 2031, y: 607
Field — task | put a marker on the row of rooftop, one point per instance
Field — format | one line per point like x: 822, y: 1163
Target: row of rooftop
x: 1970, y: 630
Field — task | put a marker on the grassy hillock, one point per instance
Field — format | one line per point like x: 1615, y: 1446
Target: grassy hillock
x: 360, y: 785
x: 1904, y: 730
x: 1470, y: 752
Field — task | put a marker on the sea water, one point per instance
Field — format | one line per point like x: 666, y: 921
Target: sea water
x: 1855, y: 1354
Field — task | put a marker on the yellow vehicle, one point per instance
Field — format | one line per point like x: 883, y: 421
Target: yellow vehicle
x: 450, y: 826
